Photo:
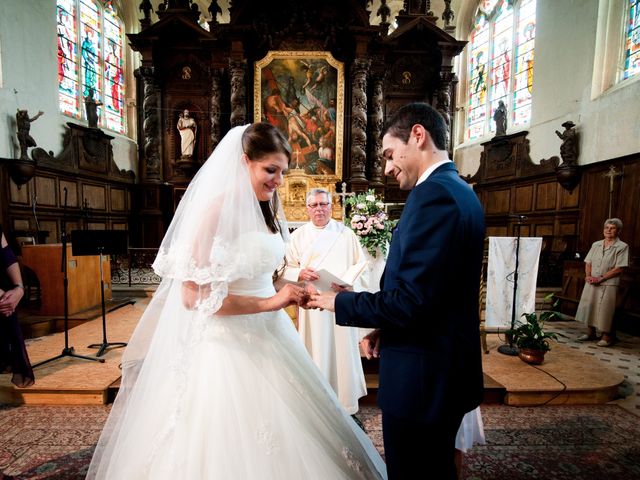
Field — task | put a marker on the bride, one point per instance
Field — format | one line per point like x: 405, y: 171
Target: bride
x: 216, y: 383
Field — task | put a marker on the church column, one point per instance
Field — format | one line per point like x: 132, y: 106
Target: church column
x: 238, y: 109
x: 445, y: 94
x: 444, y: 105
x: 377, y: 122
x: 151, y: 173
x: 359, y: 73
x: 149, y: 224
x: 215, y: 106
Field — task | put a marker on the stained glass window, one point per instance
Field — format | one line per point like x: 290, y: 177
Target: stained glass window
x: 632, y: 43
x: 90, y: 60
x: 500, y: 63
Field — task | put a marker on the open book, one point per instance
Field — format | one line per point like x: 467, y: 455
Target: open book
x: 323, y: 284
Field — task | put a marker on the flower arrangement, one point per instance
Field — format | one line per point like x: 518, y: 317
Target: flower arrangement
x: 369, y: 221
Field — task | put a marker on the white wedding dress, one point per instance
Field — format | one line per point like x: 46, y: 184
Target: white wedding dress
x: 244, y: 401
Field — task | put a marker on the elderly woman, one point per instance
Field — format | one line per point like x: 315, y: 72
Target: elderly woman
x: 603, y: 265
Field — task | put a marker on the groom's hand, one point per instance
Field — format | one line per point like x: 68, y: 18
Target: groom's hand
x: 341, y: 288
x: 370, y: 345
x: 323, y: 301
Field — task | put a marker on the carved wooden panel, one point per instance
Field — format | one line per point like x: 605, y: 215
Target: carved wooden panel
x: 96, y: 226
x: 119, y: 226
x: 20, y: 195
x: 497, y: 231
x: 501, y: 160
x: 118, y: 200
x: 543, y: 229
x: 567, y: 228
x: 151, y: 198
x: 498, y: 201
x: 95, y: 195
x: 570, y: 199
x: 72, y: 193
x: 525, y: 230
x: 524, y: 198
x: 46, y: 190
x: 21, y: 224
x: 51, y: 226
x: 546, y: 196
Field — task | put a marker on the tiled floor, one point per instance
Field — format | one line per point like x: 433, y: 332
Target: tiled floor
x: 624, y: 355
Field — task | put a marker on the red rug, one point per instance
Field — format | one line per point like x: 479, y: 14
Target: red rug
x: 551, y: 442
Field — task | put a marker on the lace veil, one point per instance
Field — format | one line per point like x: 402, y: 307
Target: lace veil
x: 208, y: 243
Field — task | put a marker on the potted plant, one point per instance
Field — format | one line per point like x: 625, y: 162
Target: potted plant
x: 530, y: 337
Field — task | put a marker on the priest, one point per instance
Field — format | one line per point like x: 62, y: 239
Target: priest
x: 324, y: 244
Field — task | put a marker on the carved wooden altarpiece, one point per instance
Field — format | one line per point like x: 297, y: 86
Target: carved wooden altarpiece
x: 213, y: 75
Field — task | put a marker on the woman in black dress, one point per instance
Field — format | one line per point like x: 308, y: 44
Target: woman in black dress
x: 13, y: 353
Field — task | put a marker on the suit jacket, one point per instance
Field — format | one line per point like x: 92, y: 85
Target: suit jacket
x: 427, y: 309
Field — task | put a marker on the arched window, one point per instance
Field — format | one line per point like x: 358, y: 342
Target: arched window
x: 90, y: 60
x: 500, y: 63
x: 632, y: 40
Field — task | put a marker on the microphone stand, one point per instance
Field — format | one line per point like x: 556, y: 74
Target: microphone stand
x: 511, y: 349
x: 67, y: 351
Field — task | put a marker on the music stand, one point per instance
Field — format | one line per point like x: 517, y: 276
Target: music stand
x: 67, y: 351
x: 100, y: 242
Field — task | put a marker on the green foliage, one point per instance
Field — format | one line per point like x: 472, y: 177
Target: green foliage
x: 369, y: 221
x: 551, y: 297
x: 530, y: 332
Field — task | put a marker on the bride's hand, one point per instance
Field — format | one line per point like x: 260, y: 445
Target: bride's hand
x: 288, y: 295
x: 190, y: 294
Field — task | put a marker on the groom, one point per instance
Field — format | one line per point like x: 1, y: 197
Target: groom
x: 427, y: 309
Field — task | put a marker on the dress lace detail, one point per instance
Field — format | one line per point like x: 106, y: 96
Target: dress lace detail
x: 265, y: 437
x: 352, y: 461
x: 226, y: 264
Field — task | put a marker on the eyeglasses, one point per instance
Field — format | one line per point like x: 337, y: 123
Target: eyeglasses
x: 319, y: 204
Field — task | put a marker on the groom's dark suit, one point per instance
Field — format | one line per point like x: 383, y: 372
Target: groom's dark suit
x: 427, y: 310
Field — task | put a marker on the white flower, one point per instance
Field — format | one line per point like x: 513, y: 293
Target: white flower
x: 361, y: 206
x: 370, y: 198
x: 380, y: 205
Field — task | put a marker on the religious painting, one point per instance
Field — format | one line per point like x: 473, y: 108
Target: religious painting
x: 302, y: 93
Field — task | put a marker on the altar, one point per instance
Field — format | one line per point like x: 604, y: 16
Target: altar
x: 83, y: 273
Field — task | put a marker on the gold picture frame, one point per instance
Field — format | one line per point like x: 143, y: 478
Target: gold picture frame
x: 302, y: 94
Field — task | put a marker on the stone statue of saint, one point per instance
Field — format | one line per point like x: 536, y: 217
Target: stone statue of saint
x: 188, y: 128
x: 500, y: 117
x: 91, y: 107
x: 569, y: 146
x: 24, y: 125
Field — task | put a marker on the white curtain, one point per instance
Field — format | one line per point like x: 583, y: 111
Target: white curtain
x: 500, y: 279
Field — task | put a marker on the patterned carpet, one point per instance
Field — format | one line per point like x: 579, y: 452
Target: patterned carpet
x: 551, y: 442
